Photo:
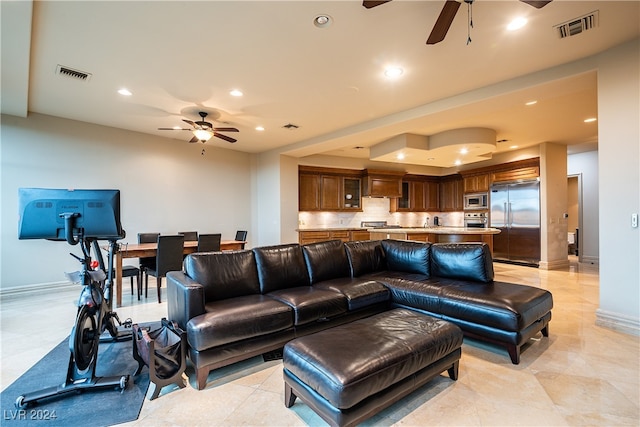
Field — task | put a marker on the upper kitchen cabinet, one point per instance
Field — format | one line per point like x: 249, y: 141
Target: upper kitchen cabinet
x: 476, y: 183
x: 451, y: 193
x: 308, y: 192
x: 523, y: 173
x: 327, y: 189
x: 419, y: 194
x: 382, y: 183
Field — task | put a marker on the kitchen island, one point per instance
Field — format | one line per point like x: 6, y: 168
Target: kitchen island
x: 437, y: 234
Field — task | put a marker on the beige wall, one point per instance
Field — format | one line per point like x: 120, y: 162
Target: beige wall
x: 619, y: 184
x: 166, y: 186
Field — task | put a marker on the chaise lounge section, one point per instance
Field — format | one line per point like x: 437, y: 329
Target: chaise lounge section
x: 236, y: 305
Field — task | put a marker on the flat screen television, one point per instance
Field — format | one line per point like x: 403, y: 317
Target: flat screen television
x: 59, y: 214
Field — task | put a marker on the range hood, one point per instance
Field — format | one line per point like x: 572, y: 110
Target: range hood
x: 378, y: 183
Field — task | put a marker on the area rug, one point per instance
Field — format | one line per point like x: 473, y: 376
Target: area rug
x: 97, y: 407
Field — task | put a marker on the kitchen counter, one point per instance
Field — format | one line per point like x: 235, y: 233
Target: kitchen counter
x: 438, y: 234
x: 437, y: 230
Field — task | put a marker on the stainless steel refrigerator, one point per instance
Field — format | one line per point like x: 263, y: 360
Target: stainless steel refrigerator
x: 515, y: 211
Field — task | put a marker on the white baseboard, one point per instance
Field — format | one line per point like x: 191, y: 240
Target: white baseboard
x: 38, y: 287
x: 553, y: 265
x: 618, y: 322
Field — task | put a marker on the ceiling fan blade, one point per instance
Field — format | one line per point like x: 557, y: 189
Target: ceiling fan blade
x: 190, y: 122
x: 225, y: 137
x: 372, y: 3
x: 443, y: 22
x: 226, y: 129
x: 194, y: 139
x: 536, y: 4
x: 172, y: 129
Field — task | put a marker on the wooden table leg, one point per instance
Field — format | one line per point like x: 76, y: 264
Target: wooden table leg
x: 118, y: 284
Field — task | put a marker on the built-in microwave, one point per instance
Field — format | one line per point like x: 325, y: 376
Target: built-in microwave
x: 476, y: 201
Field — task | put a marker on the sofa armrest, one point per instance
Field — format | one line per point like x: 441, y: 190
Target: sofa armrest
x: 185, y: 298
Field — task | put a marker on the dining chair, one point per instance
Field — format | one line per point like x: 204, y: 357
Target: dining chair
x: 241, y: 236
x: 190, y: 236
x: 148, y: 263
x: 168, y: 258
x: 209, y: 242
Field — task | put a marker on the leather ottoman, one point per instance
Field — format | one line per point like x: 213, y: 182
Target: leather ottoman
x: 348, y: 373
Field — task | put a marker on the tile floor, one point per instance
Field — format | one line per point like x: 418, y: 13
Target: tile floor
x: 581, y: 375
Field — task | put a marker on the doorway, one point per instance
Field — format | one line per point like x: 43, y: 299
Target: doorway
x: 575, y: 231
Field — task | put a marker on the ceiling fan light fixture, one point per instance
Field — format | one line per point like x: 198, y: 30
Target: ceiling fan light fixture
x: 202, y: 134
x: 517, y: 23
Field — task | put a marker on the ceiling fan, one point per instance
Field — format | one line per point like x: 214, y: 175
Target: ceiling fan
x: 447, y: 14
x: 203, y: 130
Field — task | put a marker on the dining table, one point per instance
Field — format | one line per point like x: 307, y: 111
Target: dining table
x: 144, y: 250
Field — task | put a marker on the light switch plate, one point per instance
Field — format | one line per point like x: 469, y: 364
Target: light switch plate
x: 634, y: 220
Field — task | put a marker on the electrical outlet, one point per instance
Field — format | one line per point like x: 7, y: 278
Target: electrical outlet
x: 634, y: 220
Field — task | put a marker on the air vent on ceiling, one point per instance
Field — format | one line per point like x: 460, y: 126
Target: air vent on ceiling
x: 577, y: 25
x: 61, y: 70
x: 290, y: 126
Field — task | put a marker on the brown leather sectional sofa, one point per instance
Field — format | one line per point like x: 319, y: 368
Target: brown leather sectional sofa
x: 236, y: 305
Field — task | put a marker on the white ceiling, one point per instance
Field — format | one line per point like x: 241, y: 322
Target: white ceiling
x: 181, y: 57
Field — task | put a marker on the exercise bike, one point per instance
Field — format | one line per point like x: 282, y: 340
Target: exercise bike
x: 94, y: 317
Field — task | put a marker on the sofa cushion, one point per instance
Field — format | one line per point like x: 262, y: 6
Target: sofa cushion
x: 224, y: 274
x: 505, y: 306
x: 238, y: 319
x: 365, y: 257
x: 310, y: 304
x: 281, y: 267
x: 465, y: 261
x: 407, y: 256
x: 359, y: 293
x: 326, y: 260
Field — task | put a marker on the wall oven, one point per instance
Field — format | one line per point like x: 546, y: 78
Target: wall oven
x: 476, y: 201
x: 476, y: 219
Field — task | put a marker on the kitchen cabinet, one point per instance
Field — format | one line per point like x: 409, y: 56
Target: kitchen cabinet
x: 383, y: 183
x: 419, y: 194
x: 346, y: 235
x: 476, y: 183
x: 527, y: 173
x: 326, y: 189
x: 308, y: 192
x: 359, y: 235
x: 451, y: 194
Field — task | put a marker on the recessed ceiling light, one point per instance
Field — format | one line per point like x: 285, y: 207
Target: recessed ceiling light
x: 400, y: 156
x: 236, y: 92
x: 124, y: 92
x: 458, y: 162
x: 463, y: 151
x: 177, y: 127
x: 590, y: 120
x: 393, y: 72
x: 531, y: 103
x: 259, y: 128
x: 513, y: 147
x: 516, y: 24
x: 431, y: 158
x: 322, y: 21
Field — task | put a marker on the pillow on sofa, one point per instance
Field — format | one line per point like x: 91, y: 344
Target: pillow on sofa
x: 224, y: 274
x: 326, y: 260
x: 365, y: 257
x: 467, y: 261
x: 281, y: 267
x: 407, y: 256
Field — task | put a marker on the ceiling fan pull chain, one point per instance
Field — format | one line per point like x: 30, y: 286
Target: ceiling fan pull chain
x: 470, y: 16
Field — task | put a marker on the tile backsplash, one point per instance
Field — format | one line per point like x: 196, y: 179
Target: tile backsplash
x: 376, y: 209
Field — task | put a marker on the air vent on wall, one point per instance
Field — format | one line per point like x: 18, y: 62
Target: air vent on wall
x: 577, y: 25
x: 61, y: 70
